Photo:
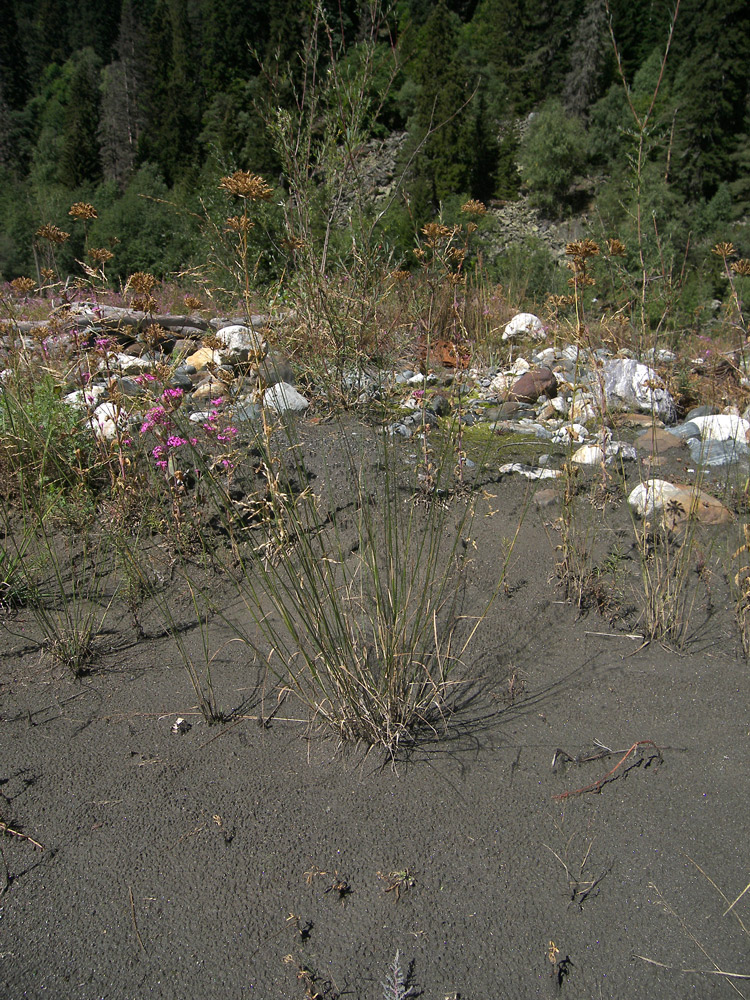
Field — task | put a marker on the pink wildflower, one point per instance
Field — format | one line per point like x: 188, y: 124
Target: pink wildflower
x: 175, y: 442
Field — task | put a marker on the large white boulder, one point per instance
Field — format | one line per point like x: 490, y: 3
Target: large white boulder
x: 629, y: 385
x: 241, y: 344
x: 284, y: 398
x: 525, y: 325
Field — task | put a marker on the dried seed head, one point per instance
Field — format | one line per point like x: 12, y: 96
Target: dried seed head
x: 581, y: 280
x: 23, y: 286
x: 399, y: 276
x: 83, y: 211
x: 242, y: 184
x: 724, y: 250
x: 100, y: 256
x: 615, y: 248
x: 239, y: 224
x: 474, y: 207
x: 141, y: 282
x: 144, y: 303
x: 52, y: 233
x: 48, y: 274
x: 582, y: 249
x: 741, y: 267
x: 293, y: 243
x: 192, y: 303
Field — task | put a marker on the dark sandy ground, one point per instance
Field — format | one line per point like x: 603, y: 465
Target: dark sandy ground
x: 222, y: 862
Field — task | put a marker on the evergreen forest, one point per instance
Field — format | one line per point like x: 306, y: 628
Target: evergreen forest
x: 630, y: 114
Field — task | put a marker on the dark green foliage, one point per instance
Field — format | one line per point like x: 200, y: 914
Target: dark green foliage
x: 552, y: 155
x: 160, y: 96
x: 145, y: 234
x: 712, y: 49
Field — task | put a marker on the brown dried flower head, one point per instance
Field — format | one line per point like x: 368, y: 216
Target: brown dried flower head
x: 243, y: 184
x: 741, y: 267
x: 83, y: 211
x: 144, y: 303
x: 52, y: 233
x: 581, y: 280
x: 239, y: 224
x: 474, y: 207
x: 399, y: 276
x: 724, y: 250
x: 100, y: 256
x: 293, y: 243
x: 192, y: 303
x: 142, y: 282
x: 582, y: 249
x: 23, y: 286
x: 615, y: 248
x: 435, y: 233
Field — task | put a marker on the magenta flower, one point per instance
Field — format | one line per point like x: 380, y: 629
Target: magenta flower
x: 155, y: 417
x: 172, y: 394
x: 175, y: 442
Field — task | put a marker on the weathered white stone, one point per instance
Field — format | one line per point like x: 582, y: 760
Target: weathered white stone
x: 525, y: 325
x: 284, y: 398
x: 106, y: 419
x: 589, y: 454
x: 629, y: 385
x: 652, y: 495
x: 84, y: 399
x: 570, y: 432
x: 677, y: 503
x: 529, y: 471
x: 241, y: 345
x: 722, y: 427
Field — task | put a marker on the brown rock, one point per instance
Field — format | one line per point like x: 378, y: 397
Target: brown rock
x: 689, y: 502
x: 636, y: 420
x: 546, y: 498
x: 656, y: 441
x: 531, y: 385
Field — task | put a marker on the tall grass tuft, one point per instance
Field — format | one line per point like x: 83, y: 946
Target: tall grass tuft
x: 355, y: 603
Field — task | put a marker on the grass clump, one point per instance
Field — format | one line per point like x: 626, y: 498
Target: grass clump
x: 356, y: 604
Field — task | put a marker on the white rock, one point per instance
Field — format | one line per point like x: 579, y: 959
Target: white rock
x: 502, y: 383
x: 546, y: 357
x: 722, y: 427
x: 529, y: 471
x: 589, y: 454
x: 570, y: 432
x: 582, y: 409
x: 520, y: 366
x: 241, y: 344
x: 284, y: 398
x: 105, y: 421
x: 84, y: 399
x: 652, y: 495
x: 127, y: 364
x: 525, y: 325
x: 629, y: 385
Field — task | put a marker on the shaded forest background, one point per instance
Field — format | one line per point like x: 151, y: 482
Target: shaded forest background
x: 141, y: 106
